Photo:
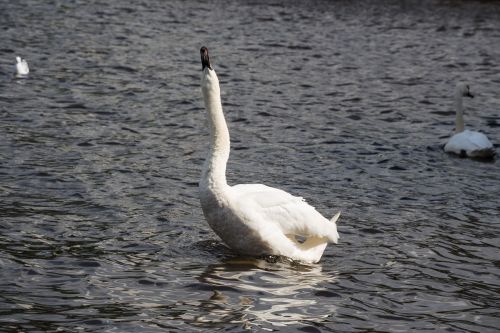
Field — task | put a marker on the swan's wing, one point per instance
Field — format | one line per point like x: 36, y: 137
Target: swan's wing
x: 292, y: 214
x: 468, y: 141
x: 479, y: 140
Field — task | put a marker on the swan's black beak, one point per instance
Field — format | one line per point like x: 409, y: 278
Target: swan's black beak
x: 205, y: 60
x: 468, y: 94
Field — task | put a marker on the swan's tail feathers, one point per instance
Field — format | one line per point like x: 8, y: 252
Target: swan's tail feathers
x: 333, y: 234
x: 335, y: 218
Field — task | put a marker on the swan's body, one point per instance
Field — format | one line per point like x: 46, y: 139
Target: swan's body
x: 254, y: 219
x: 22, y: 66
x: 471, y: 144
x: 467, y: 143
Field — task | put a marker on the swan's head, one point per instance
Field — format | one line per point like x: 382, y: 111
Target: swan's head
x: 18, y: 59
x: 205, y: 60
x: 209, y: 80
x: 463, y: 90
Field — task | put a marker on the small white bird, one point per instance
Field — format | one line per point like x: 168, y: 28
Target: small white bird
x: 254, y: 219
x: 466, y: 143
x: 22, y: 68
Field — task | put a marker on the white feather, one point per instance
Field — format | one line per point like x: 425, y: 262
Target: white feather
x: 22, y: 67
x: 293, y: 215
x: 469, y: 143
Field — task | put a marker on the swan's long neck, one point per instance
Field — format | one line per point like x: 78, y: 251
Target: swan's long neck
x: 459, y: 120
x: 214, y: 170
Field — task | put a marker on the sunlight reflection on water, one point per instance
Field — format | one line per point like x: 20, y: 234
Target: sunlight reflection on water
x: 266, y: 293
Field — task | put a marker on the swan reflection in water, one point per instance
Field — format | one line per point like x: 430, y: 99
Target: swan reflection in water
x: 257, y: 292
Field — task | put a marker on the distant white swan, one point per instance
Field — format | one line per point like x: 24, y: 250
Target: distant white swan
x: 254, y: 219
x: 22, y: 66
x: 467, y: 143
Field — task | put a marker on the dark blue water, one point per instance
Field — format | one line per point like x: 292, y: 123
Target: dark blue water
x: 346, y: 103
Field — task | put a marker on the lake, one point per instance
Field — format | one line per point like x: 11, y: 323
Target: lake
x: 346, y: 103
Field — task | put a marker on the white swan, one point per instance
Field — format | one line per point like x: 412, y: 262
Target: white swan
x: 22, y: 67
x: 254, y: 219
x: 467, y: 143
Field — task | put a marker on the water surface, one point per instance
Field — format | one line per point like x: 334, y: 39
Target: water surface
x: 346, y: 103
